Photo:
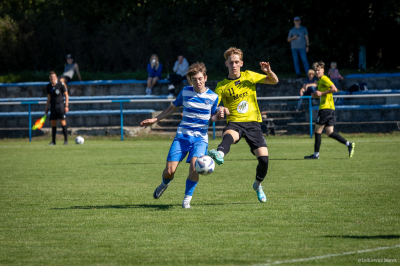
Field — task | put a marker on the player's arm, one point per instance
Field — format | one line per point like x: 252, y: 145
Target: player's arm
x: 77, y: 71
x: 332, y: 89
x: 220, y: 114
x: 167, y: 112
x: 46, y: 110
x: 271, y: 78
x: 66, y: 102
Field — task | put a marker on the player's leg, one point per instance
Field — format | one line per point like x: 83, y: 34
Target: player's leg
x: 53, y: 131
x: 317, y: 141
x: 336, y: 136
x: 177, y: 152
x: 64, y: 129
x: 229, y: 137
x: 261, y: 172
x: 197, y: 149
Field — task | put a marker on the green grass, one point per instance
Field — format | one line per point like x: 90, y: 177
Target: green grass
x: 92, y: 204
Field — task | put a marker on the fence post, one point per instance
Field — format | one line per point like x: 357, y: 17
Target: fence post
x: 122, y: 121
x: 30, y: 122
x: 310, y: 108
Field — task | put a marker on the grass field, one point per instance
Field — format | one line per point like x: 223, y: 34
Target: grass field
x: 92, y: 204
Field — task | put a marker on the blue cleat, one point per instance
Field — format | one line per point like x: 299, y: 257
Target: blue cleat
x: 216, y: 156
x: 260, y: 193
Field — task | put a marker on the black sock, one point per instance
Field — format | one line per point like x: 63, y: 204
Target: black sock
x: 226, y: 143
x: 53, y: 134
x: 262, y: 168
x: 317, y: 143
x: 338, y: 137
x: 64, y: 128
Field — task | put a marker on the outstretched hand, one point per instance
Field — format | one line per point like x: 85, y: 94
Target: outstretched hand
x: 265, y: 67
x: 148, y: 122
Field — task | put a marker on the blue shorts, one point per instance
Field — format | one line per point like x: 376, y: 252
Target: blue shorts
x: 180, y: 148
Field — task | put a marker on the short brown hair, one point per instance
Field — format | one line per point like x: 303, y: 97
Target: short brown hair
x: 233, y: 50
x: 52, y: 73
x: 318, y: 64
x: 196, y: 68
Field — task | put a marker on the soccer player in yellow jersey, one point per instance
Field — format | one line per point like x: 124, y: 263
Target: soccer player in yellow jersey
x: 326, y: 114
x: 238, y: 93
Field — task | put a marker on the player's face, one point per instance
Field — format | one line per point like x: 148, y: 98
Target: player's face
x: 234, y: 64
x: 320, y: 72
x: 53, y: 79
x: 199, y: 81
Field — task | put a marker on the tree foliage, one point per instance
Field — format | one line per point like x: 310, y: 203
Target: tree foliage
x: 121, y: 35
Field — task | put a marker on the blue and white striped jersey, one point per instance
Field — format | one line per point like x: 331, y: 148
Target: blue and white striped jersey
x: 197, y: 111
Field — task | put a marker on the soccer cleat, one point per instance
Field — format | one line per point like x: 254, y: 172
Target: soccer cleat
x: 351, y: 149
x: 260, y: 193
x: 159, y: 190
x: 52, y: 143
x: 186, y: 205
x: 65, y: 142
x: 311, y: 157
x: 216, y: 156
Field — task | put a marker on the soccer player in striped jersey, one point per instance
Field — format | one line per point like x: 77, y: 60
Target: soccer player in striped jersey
x: 238, y: 93
x: 326, y: 114
x: 199, y: 107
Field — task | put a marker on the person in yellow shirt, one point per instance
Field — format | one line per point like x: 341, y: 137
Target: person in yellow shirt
x: 326, y: 114
x: 238, y: 94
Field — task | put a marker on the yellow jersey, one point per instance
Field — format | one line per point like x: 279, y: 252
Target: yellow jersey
x: 326, y: 102
x: 240, y: 97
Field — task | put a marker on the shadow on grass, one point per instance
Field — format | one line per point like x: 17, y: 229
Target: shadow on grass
x: 367, y: 237
x: 255, y: 159
x: 143, y: 206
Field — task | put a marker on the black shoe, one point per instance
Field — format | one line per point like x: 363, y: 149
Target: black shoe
x: 159, y: 190
x: 311, y: 157
x: 351, y: 149
x: 52, y: 143
x: 65, y: 142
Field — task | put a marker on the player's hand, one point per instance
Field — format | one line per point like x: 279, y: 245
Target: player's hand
x: 148, y: 122
x: 265, y: 66
x: 66, y: 109
x: 318, y: 93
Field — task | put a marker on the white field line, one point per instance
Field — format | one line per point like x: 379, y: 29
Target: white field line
x: 327, y: 256
x: 169, y: 143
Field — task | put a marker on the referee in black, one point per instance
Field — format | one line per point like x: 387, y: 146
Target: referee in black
x: 55, y: 99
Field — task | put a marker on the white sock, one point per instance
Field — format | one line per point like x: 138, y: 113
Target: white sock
x: 316, y: 154
x: 347, y: 143
x: 257, y: 184
x: 222, y: 153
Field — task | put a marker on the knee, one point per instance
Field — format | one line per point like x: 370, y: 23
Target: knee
x: 263, y: 161
x: 169, y: 171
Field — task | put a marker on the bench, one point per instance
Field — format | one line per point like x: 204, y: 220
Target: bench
x: 91, y: 112
x: 373, y: 75
x: 363, y: 107
x: 267, y: 124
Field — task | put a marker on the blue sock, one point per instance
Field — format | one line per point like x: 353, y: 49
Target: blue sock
x: 190, y: 186
x: 166, y: 181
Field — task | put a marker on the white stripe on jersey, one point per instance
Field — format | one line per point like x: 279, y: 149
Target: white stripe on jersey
x: 198, y: 116
x: 193, y: 125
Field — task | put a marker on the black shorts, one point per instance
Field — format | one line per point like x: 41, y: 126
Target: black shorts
x: 326, y: 117
x: 57, y: 111
x: 251, y: 131
x: 67, y: 79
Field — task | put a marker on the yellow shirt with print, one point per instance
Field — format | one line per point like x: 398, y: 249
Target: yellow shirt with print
x: 240, y: 97
x: 326, y: 102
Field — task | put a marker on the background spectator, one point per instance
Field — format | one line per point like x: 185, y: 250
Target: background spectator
x: 309, y: 86
x: 154, y: 69
x: 69, y: 70
x: 180, y: 68
x: 334, y: 75
x: 298, y: 38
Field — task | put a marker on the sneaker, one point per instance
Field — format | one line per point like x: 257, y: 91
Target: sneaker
x: 260, y: 193
x: 159, y: 190
x: 351, y: 149
x: 171, y: 87
x: 186, y: 205
x: 216, y: 156
x: 65, y: 142
x: 311, y: 157
x: 148, y: 91
x: 52, y: 143
x: 170, y: 95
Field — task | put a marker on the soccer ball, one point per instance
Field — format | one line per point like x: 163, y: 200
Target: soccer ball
x: 79, y: 140
x: 204, y: 165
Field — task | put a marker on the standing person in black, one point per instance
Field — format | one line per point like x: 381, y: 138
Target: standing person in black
x: 55, y: 92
